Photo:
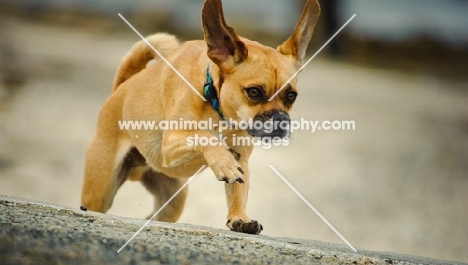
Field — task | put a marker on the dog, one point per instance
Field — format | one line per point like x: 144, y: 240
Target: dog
x: 236, y: 76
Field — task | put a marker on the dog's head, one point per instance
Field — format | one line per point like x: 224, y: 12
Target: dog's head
x: 248, y: 76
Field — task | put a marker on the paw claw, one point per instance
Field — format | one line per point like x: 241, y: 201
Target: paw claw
x: 240, y: 180
x: 225, y: 179
x: 241, y: 170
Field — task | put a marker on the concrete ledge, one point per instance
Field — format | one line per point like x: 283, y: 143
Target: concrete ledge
x: 39, y: 233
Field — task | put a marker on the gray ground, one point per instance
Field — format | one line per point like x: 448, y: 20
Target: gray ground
x: 37, y: 233
x: 398, y: 183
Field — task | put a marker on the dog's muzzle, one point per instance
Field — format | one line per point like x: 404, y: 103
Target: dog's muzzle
x: 270, y: 124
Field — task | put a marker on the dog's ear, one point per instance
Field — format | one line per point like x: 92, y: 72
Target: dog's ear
x: 224, y: 46
x: 295, y: 46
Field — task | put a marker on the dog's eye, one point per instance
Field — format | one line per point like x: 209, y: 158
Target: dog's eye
x: 254, y: 92
x: 291, y: 97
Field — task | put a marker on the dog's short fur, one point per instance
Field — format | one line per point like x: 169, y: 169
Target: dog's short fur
x: 245, y: 74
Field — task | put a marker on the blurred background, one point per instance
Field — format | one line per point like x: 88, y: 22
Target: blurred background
x: 398, y: 183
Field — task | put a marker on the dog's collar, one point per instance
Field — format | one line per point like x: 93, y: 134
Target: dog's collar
x: 210, y: 94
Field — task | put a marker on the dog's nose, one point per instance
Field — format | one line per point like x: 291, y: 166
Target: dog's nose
x: 283, y: 122
x: 280, y: 116
x: 271, y: 124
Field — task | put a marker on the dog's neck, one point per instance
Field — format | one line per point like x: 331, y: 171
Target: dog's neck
x: 210, y: 93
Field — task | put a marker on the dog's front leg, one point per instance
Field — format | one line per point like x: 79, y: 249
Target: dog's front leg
x: 181, y: 147
x: 236, y: 197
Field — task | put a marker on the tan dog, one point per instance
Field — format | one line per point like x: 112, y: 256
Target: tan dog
x: 245, y: 74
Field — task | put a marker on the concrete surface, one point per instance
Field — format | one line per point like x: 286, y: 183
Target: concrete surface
x: 40, y: 233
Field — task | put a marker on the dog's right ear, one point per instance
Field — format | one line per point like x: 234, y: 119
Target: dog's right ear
x: 224, y: 46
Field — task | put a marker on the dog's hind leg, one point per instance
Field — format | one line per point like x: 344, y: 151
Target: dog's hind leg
x: 104, y: 173
x: 163, y: 188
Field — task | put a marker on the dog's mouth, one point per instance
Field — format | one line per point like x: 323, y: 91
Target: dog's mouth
x: 270, y: 125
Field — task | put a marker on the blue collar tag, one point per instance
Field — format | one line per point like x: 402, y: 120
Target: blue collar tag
x: 210, y: 94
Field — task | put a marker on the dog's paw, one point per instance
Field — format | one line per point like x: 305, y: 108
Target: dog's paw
x: 229, y: 174
x: 250, y: 227
x: 226, y: 168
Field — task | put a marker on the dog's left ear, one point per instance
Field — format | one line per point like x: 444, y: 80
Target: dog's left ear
x: 224, y: 46
x: 295, y: 46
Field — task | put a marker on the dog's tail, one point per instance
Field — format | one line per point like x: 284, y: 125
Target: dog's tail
x: 140, y: 54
